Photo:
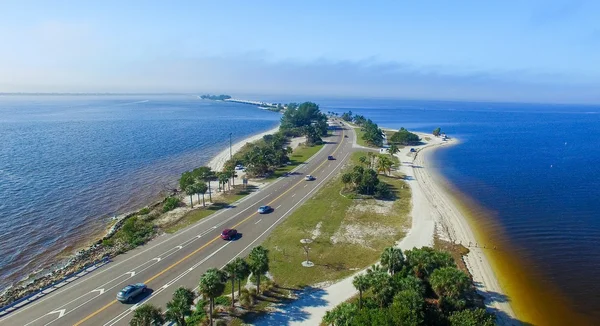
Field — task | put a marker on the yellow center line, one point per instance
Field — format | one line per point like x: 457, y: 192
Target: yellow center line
x: 208, y: 243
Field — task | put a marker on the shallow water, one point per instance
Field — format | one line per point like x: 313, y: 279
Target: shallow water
x: 69, y: 163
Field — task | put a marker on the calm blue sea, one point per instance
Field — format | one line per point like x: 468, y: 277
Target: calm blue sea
x: 536, y: 167
x: 68, y: 163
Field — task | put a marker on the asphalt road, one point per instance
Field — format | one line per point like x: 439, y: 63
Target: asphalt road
x: 179, y: 259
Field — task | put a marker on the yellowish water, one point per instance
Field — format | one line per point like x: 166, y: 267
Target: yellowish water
x: 534, y: 300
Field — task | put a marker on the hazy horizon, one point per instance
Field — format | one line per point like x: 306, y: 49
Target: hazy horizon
x: 533, y: 52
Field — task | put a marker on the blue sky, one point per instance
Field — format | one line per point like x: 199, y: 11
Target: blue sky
x: 541, y: 51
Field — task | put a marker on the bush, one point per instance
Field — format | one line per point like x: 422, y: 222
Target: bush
x: 136, y: 232
x: 383, y: 191
x: 222, y: 301
x: 201, y: 304
x: 108, y: 242
x: 144, y: 211
x: 248, y: 298
x: 197, y: 318
x: 170, y: 204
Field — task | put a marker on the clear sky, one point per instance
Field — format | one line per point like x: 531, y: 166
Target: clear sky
x: 542, y: 51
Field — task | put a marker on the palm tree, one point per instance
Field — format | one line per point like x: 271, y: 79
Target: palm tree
x: 384, y: 164
x: 242, y: 272
x: 207, y: 175
x: 450, y: 282
x: 346, y: 179
x: 231, y: 270
x: 180, y: 306
x: 370, y: 157
x: 223, y: 179
x: 392, y: 259
x: 259, y: 263
x: 147, y: 315
x: 363, y: 160
x: 393, y: 150
x: 201, y: 189
x: 361, y: 283
x: 212, y: 285
x: 340, y: 315
x: 190, y: 191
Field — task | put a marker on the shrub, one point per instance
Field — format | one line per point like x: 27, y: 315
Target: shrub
x: 136, y: 232
x: 197, y: 318
x: 108, y: 242
x: 383, y: 191
x: 170, y: 204
x: 144, y: 211
x: 248, y: 298
x: 222, y: 301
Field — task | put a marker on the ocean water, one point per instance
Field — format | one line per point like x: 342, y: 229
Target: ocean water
x: 535, y: 168
x: 69, y: 163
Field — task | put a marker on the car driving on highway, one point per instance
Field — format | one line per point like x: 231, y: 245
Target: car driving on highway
x: 131, y: 291
x: 264, y: 209
x: 330, y: 158
x: 229, y: 234
x: 309, y: 178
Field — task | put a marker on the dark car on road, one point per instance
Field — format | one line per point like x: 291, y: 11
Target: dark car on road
x: 330, y: 158
x: 131, y: 291
x: 229, y: 234
x: 264, y: 209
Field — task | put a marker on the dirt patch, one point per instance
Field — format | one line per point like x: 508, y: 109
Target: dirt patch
x: 361, y: 234
x: 317, y: 231
x: 382, y: 207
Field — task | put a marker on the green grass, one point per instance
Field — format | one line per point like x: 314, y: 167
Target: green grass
x: 299, y: 156
x: 198, y: 214
x: 227, y: 290
x: 359, y: 138
x: 333, y: 261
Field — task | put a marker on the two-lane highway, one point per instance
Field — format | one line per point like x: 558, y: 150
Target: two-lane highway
x: 170, y: 261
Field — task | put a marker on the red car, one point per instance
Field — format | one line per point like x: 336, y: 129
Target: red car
x: 229, y: 234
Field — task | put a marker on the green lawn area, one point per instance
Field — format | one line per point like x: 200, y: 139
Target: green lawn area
x: 338, y: 250
x: 299, y: 156
x: 198, y: 214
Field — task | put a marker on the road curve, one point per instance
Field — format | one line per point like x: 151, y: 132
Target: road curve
x: 179, y: 259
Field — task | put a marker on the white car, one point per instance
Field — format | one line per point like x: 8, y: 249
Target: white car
x: 239, y: 167
x: 309, y: 178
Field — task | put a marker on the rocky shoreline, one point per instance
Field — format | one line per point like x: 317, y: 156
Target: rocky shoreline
x: 79, y: 261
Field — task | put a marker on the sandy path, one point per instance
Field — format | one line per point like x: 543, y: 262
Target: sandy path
x: 431, y: 208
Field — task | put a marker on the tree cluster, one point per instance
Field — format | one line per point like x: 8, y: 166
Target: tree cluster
x: 404, y: 137
x: 305, y: 119
x: 437, y: 131
x: 364, y: 179
x: 198, y: 182
x: 263, y: 157
x: 371, y: 133
x: 215, y: 97
x: 347, y: 116
x: 417, y: 287
x: 211, y: 287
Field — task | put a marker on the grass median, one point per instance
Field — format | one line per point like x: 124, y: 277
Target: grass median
x: 348, y: 234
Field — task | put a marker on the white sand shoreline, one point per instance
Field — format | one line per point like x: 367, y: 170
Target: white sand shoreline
x: 433, y: 211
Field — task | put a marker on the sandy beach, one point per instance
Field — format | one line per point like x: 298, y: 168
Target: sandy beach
x: 433, y: 213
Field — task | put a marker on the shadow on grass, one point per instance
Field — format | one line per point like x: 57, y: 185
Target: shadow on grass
x: 290, y: 310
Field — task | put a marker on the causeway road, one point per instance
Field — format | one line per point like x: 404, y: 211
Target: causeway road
x: 173, y: 260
